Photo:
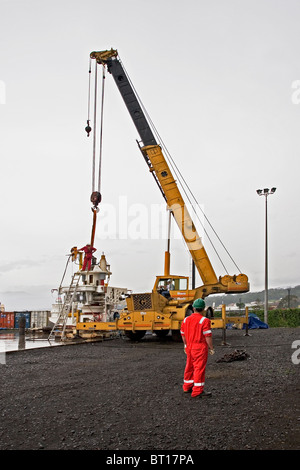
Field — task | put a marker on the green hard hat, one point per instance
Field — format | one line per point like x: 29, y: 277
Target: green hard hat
x: 199, y: 303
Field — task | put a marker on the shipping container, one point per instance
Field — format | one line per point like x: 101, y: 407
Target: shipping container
x: 40, y: 318
x: 19, y: 315
x: 7, y: 320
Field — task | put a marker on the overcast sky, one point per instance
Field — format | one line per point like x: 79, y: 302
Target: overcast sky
x: 220, y: 80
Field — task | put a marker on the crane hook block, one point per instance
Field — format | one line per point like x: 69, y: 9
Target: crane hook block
x: 88, y: 128
x: 96, y: 198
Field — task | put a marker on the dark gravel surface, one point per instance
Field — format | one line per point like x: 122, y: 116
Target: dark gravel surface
x: 119, y: 395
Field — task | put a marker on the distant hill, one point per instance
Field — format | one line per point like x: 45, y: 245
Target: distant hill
x: 274, y: 294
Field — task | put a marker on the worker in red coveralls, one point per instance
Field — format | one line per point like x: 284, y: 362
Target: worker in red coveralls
x: 87, y: 262
x: 197, y: 338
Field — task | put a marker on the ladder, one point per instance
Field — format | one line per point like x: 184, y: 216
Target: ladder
x: 62, y: 318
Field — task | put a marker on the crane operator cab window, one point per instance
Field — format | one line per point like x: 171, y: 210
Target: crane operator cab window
x: 168, y: 286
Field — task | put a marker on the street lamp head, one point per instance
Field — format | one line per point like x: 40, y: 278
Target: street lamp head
x: 265, y: 191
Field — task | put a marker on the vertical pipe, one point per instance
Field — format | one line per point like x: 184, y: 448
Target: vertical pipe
x: 224, y: 324
x: 266, y: 264
x: 167, y: 263
x: 247, y: 318
x: 167, y: 253
x: 193, y: 274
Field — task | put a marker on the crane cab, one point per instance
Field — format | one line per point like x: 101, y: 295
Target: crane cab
x: 174, y: 287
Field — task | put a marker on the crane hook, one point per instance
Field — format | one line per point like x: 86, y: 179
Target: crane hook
x: 96, y: 198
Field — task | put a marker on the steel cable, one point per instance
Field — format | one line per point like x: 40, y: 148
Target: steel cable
x: 101, y: 129
x: 95, y: 133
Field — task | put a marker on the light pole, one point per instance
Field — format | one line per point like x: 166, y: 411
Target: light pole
x: 266, y: 192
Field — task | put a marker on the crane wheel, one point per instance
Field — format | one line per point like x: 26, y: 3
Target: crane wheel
x: 189, y: 311
x: 161, y: 333
x: 176, y: 336
x: 209, y: 312
x: 135, y: 335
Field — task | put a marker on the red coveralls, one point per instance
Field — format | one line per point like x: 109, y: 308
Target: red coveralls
x: 195, y: 328
x: 88, y: 250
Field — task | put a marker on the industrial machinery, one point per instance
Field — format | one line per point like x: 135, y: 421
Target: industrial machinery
x: 170, y: 301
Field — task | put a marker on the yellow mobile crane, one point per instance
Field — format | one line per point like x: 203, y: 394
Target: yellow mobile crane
x: 170, y: 301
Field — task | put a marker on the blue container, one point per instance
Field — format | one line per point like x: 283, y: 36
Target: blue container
x: 19, y: 315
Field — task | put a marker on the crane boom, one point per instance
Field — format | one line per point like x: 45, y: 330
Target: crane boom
x: 162, y: 174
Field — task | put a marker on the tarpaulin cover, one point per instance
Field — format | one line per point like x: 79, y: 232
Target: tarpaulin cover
x: 255, y: 322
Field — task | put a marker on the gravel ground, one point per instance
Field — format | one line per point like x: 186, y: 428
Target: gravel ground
x: 119, y: 395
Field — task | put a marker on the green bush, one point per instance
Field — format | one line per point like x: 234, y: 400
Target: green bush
x: 280, y: 317
x: 289, y: 317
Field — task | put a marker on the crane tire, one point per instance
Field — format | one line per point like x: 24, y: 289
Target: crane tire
x: 135, y: 335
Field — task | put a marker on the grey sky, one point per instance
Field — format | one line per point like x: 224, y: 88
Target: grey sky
x: 217, y: 79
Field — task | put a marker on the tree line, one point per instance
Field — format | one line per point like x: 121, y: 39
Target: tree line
x: 288, y: 297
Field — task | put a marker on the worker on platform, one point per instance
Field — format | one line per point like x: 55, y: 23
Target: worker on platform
x: 197, y: 338
x: 87, y: 262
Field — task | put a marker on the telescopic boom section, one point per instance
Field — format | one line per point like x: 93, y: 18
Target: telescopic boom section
x: 180, y: 212
x: 114, y: 67
x: 163, y: 176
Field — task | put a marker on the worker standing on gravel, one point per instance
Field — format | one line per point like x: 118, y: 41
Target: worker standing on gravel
x: 197, y: 338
